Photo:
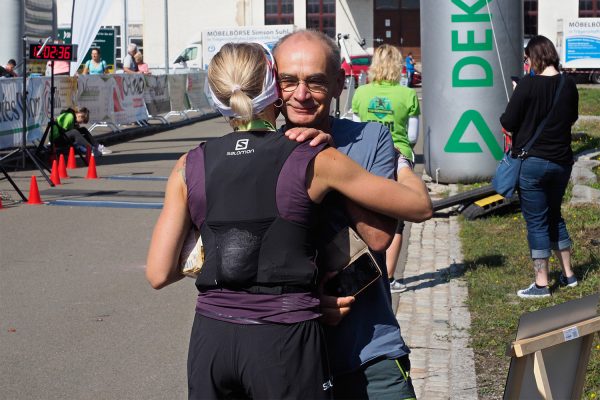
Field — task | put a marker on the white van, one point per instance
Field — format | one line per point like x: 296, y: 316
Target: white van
x: 198, y: 53
x: 190, y: 57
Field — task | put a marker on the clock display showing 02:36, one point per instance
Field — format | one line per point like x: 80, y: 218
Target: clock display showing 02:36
x: 56, y: 52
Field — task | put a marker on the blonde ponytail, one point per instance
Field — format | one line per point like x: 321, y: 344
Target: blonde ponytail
x: 232, y: 76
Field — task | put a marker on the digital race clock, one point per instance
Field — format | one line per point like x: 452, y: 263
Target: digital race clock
x: 53, y: 52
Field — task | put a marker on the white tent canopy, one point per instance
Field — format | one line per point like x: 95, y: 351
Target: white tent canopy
x: 85, y: 24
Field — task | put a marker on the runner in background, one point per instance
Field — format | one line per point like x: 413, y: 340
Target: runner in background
x: 385, y: 101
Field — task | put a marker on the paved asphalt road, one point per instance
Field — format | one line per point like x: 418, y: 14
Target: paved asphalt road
x: 77, y: 318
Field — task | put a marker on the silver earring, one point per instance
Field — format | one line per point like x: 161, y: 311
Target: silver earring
x: 280, y: 100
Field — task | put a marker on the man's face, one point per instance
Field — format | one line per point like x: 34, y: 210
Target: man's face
x: 304, y: 59
x: 9, y: 67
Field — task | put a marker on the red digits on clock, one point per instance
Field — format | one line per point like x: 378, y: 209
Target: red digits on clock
x: 56, y: 52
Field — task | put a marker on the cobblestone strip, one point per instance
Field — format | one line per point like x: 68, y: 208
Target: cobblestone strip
x: 432, y: 313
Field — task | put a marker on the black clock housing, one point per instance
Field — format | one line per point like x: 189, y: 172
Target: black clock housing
x: 53, y: 52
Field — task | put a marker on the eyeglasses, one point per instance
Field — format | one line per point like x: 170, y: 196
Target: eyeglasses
x: 314, y: 85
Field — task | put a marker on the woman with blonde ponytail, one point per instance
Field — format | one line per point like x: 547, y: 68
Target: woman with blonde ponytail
x: 252, y: 194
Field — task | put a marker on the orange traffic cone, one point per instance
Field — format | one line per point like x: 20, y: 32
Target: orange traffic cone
x: 54, y: 173
x: 91, y: 172
x: 71, y: 163
x: 34, y: 193
x: 62, y: 169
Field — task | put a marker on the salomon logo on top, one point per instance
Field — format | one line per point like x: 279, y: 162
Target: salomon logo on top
x: 241, y: 148
x: 241, y: 144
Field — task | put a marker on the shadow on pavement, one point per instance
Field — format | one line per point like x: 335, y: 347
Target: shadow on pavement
x: 188, y: 139
x: 432, y: 279
x: 128, y: 158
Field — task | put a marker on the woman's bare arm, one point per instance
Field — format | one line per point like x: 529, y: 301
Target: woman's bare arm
x: 169, y: 232
x: 406, y: 199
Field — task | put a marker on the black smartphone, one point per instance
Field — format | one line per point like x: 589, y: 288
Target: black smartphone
x: 354, y: 278
x: 515, y: 79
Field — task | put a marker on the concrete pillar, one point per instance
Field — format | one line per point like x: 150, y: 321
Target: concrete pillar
x: 466, y: 84
x: 11, y: 31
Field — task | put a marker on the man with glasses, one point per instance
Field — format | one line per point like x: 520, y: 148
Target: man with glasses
x: 367, y: 354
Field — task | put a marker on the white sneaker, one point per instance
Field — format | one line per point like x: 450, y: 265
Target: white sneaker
x: 397, y: 287
x: 104, y: 150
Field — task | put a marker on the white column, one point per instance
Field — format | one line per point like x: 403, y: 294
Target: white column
x: 300, y: 14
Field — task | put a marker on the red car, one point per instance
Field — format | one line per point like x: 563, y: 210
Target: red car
x: 359, y: 64
x: 416, y: 79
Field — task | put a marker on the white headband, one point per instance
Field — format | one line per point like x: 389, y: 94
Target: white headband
x: 269, y: 94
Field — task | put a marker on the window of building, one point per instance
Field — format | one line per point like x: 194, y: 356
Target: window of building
x: 278, y: 12
x: 530, y: 16
x: 589, y: 8
x: 411, y: 4
x: 320, y: 15
x: 387, y: 4
x: 139, y: 42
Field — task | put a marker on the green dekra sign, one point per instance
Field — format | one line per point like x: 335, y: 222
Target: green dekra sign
x: 472, y: 14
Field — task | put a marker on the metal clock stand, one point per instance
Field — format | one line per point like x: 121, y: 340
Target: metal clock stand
x: 22, y: 150
x: 52, y: 123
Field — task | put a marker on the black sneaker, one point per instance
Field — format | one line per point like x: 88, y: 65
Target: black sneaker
x: 533, y: 292
x: 569, y: 282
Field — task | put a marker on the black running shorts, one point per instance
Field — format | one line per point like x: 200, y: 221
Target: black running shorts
x: 257, y: 361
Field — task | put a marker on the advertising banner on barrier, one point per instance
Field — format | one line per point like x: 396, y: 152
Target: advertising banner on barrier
x: 96, y: 93
x: 195, y: 92
x: 156, y: 94
x: 65, y: 95
x: 11, y: 111
x: 177, y: 85
x: 128, y: 98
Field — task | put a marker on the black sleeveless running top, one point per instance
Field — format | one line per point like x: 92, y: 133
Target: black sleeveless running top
x: 250, y: 203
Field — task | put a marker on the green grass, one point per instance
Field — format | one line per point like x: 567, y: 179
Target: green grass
x: 497, y: 265
x: 586, y: 135
x: 465, y: 187
x: 497, y: 258
x: 589, y: 101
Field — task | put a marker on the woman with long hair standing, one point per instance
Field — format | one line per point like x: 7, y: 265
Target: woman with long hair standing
x: 547, y: 167
x: 252, y: 194
x: 95, y: 66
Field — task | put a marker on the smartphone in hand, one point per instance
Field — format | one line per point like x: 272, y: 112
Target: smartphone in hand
x: 354, y: 278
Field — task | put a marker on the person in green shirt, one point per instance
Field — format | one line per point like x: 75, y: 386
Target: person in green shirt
x: 69, y: 122
x: 385, y: 101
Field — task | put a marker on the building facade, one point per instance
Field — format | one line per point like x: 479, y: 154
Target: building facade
x: 364, y: 24
x: 543, y: 17
x: 115, y: 18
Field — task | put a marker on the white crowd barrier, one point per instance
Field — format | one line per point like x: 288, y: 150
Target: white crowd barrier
x: 113, y: 100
